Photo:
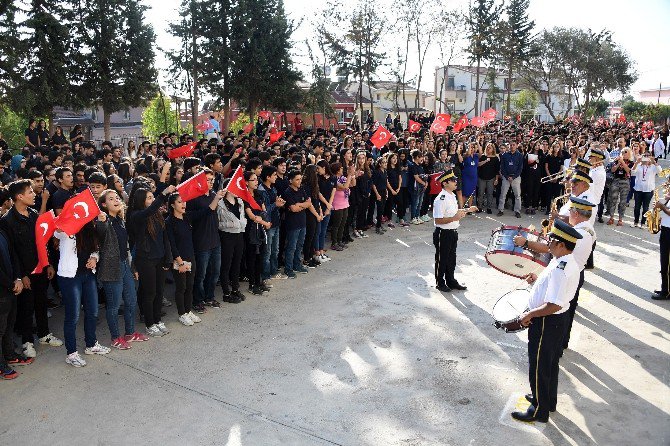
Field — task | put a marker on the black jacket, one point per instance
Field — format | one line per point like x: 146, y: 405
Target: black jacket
x: 21, y: 232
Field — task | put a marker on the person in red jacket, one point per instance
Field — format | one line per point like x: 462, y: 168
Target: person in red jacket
x: 297, y: 123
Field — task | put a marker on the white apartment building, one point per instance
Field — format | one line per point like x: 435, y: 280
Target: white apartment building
x: 382, y: 94
x: 455, y: 92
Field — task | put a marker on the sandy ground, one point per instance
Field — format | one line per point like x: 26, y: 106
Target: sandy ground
x: 364, y: 351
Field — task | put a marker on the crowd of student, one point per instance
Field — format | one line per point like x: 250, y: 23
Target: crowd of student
x: 311, y: 186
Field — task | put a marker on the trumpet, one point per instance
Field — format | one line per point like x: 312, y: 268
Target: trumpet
x: 558, y: 175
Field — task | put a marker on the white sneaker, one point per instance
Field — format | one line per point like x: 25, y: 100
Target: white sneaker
x: 186, y: 320
x: 29, y: 350
x: 279, y: 276
x: 324, y: 258
x: 425, y: 218
x: 154, y: 331
x: 194, y: 317
x: 363, y: 234
x: 75, y: 360
x: 317, y: 259
x: 416, y: 221
x: 358, y: 234
x: 97, y: 349
x: 161, y: 326
x: 51, y: 340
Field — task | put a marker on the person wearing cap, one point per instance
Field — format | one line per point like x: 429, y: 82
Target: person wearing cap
x: 547, y: 318
x: 645, y: 170
x: 664, y: 241
x: 581, y: 188
x: 599, y: 176
x: 580, y: 212
x: 446, y: 217
x: 582, y: 165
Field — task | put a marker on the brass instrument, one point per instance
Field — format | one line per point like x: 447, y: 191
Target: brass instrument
x: 558, y: 175
x: 547, y: 223
x: 653, y: 215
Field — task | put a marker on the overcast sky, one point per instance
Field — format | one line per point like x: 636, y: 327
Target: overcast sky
x: 641, y: 27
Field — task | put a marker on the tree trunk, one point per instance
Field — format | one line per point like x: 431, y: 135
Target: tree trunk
x: 165, y: 116
x: 509, y: 89
x: 194, y: 72
x: 404, y: 70
x: 360, y: 98
x: 479, y: 62
x: 226, y: 115
x: 50, y: 120
x: 107, y: 123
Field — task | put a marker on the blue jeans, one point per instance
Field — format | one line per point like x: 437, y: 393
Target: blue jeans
x: 416, y: 196
x: 208, y: 268
x: 78, y: 290
x: 271, y: 260
x: 293, y: 253
x: 322, y: 230
x: 114, y: 292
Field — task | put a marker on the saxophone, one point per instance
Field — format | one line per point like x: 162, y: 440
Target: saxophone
x: 653, y: 215
x: 547, y: 223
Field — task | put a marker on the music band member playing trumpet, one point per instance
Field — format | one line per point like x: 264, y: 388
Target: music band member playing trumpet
x: 546, y: 318
x: 446, y: 217
x: 580, y: 212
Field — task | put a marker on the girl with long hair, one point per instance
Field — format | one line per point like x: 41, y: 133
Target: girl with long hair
x: 255, y: 237
x: 314, y: 216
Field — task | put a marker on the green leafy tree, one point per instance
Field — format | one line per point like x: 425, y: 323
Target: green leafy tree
x: 10, y: 45
x: 657, y: 112
x: 482, y: 17
x: 159, y: 117
x: 317, y: 99
x: 12, y: 127
x: 634, y: 110
x: 493, y: 93
x: 598, y: 107
x: 525, y: 103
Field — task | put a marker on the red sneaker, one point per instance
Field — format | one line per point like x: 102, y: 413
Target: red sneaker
x: 120, y: 343
x: 20, y: 360
x: 136, y: 337
x: 8, y: 373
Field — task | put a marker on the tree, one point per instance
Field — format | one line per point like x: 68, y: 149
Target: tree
x: 159, y: 118
x: 318, y: 99
x: 598, y: 107
x: 481, y: 19
x: 525, y: 103
x: 117, y: 56
x: 448, y: 38
x: 262, y: 72
x: 633, y: 110
x: 45, y: 61
x: 657, y: 112
x: 515, y: 42
x: 12, y: 126
x: 493, y: 93
x: 10, y: 44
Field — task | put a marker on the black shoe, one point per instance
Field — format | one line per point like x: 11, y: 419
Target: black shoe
x: 256, y: 290
x: 600, y: 220
x: 443, y: 288
x: 199, y: 308
x: 500, y: 213
x: 589, y: 266
x: 51, y: 304
x: 231, y: 299
x: 457, y: 286
x: 163, y: 313
x: 517, y: 214
x: 264, y: 287
x: 529, y: 398
x: 238, y: 294
x: 660, y: 292
x: 660, y: 296
x: 488, y: 211
x: 212, y: 303
x: 529, y: 416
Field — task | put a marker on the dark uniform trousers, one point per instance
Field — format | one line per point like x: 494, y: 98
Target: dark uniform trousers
x: 665, y: 258
x: 445, y: 241
x: 589, y: 262
x: 571, y: 311
x: 545, y: 341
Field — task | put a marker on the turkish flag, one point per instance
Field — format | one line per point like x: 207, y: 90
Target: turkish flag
x: 631, y: 125
x: 478, y: 121
x: 238, y: 187
x: 204, y: 126
x: 276, y: 136
x: 621, y: 118
x: 185, y: 150
x: 193, y: 187
x: 435, y: 187
x: 530, y: 133
x: 490, y: 113
x: 77, y: 211
x: 438, y: 127
x: 518, y: 118
x: 264, y: 114
x: 44, y: 229
x: 248, y: 128
x: 461, y: 123
x: 380, y: 137
x: 413, y: 126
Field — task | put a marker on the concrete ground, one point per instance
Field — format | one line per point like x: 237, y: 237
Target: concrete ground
x: 364, y: 351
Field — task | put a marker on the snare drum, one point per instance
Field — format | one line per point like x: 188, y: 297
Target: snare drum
x: 515, y: 260
x: 507, y: 310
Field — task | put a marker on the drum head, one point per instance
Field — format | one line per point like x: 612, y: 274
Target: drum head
x: 515, y: 264
x: 511, y: 305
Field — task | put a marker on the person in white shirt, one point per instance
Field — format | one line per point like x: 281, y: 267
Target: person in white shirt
x: 664, y: 241
x: 446, y: 217
x: 645, y: 169
x: 546, y: 318
x: 656, y: 145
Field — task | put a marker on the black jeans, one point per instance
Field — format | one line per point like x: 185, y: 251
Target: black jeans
x: 362, y: 212
x: 7, y: 318
x: 445, y: 242
x: 337, y: 223
x: 642, y: 200
x: 255, y: 254
x: 310, y: 236
x: 403, y: 201
x: 152, y: 282
x: 665, y: 259
x: 381, y: 204
x: 232, y: 247
x: 33, y: 300
x: 183, y: 289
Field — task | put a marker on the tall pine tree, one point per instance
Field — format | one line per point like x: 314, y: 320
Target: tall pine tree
x: 516, y: 43
x: 481, y: 20
x: 10, y: 43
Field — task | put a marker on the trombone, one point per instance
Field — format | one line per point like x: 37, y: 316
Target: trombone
x: 558, y: 175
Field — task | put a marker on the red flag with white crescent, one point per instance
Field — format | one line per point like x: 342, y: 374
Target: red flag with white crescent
x: 238, y: 187
x: 380, y: 137
x: 44, y: 230
x: 478, y: 121
x: 76, y: 212
x: 185, y: 150
x: 413, y: 126
x: 193, y: 187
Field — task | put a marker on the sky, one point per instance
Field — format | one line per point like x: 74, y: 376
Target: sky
x: 640, y: 27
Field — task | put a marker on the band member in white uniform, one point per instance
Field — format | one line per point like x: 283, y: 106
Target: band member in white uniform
x: 581, y: 188
x: 547, y: 315
x: 599, y: 177
x: 446, y: 217
x: 664, y: 293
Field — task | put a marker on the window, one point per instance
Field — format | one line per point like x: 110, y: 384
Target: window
x: 506, y: 83
x: 451, y: 82
x: 94, y: 114
x: 126, y: 115
x: 379, y: 96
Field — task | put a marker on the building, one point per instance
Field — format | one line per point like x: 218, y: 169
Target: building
x: 386, y: 97
x: 455, y: 92
x: 125, y: 125
x: 660, y: 95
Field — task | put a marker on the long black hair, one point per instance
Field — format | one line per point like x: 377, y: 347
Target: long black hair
x: 155, y: 222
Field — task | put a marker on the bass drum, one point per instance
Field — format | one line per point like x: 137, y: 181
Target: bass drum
x: 513, y: 260
x: 507, y: 310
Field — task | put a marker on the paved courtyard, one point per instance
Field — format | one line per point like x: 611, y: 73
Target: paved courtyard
x: 364, y: 351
